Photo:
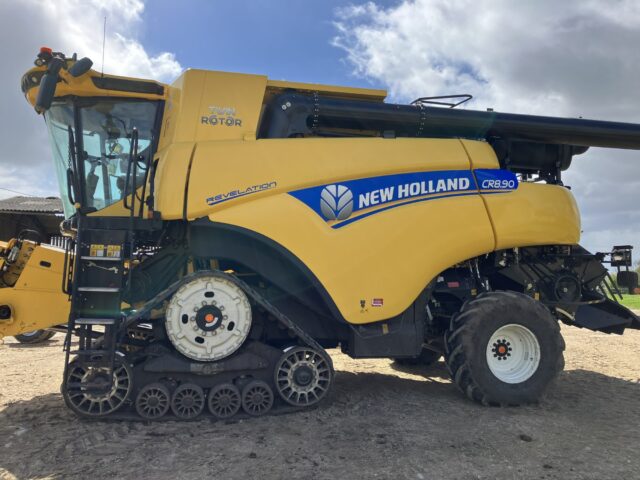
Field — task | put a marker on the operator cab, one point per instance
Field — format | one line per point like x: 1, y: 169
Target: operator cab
x: 102, y: 133
x: 103, y: 130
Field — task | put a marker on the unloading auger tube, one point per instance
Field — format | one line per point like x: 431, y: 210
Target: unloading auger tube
x: 527, y: 144
x: 304, y: 113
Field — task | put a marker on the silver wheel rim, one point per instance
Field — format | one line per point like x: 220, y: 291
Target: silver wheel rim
x: 317, y: 368
x: 187, y: 401
x: 97, y: 404
x: 224, y: 400
x: 153, y: 401
x: 31, y: 334
x: 513, y: 353
x: 257, y: 398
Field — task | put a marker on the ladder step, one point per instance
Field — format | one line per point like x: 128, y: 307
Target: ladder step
x: 99, y: 289
x: 95, y: 321
x: 101, y: 259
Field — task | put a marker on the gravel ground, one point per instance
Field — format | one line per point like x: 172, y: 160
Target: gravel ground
x: 379, y: 422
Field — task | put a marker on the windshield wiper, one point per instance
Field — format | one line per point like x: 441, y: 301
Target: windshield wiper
x: 71, y: 183
x: 130, y: 180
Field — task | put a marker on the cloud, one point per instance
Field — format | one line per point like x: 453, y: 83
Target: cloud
x: 124, y: 54
x: 68, y: 26
x: 572, y: 58
x: 535, y: 55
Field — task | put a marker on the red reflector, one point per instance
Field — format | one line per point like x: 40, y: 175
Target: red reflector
x: 46, y: 50
x: 453, y: 284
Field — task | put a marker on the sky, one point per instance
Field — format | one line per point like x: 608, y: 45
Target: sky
x: 571, y: 58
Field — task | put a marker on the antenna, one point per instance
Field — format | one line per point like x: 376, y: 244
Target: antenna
x: 104, y: 39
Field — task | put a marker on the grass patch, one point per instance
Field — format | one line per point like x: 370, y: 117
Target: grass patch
x: 630, y: 301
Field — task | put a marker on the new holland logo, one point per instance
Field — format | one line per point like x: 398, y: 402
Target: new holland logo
x: 350, y: 201
x: 336, y: 202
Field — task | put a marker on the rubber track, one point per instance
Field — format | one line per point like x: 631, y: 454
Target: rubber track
x: 126, y: 414
x: 456, y: 361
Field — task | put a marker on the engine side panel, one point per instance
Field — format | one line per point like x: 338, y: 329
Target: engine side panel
x: 535, y: 214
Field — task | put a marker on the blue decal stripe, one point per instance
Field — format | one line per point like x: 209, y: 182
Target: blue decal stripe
x: 464, y: 194
x: 398, y: 203
x: 425, y: 199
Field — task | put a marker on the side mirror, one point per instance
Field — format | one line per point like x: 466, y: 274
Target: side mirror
x: 48, y: 84
x: 81, y: 67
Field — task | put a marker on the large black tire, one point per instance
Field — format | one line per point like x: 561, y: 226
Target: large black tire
x: 467, y: 342
x: 426, y: 358
x: 37, y: 336
x: 628, y: 280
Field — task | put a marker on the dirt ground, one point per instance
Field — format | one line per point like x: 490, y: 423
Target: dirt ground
x: 379, y: 422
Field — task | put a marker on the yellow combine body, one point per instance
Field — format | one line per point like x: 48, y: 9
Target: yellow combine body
x: 193, y: 150
x: 227, y: 228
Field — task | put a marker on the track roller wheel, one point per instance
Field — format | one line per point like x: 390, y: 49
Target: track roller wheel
x: 153, y: 401
x: 187, y: 401
x: 224, y: 400
x: 89, y: 392
x: 257, y: 398
x: 303, y: 376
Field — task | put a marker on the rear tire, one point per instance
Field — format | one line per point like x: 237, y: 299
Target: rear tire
x: 504, y: 348
x: 37, y: 336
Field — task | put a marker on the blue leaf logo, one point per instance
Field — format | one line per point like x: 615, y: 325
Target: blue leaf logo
x: 336, y: 202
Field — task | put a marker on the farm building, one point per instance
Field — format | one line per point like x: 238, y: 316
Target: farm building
x: 42, y: 214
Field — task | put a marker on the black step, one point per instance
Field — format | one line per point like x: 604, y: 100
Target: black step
x: 95, y: 321
x: 99, y: 289
x: 101, y: 259
x: 102, y: 353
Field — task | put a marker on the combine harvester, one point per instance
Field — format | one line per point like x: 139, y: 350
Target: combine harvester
x: 228, y: 228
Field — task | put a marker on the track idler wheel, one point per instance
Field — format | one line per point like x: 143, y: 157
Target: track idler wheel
x: 153, y: 401
x: 257, y: 398
x: 89, y: 392
x: 187, y: 401
x: 224, y: 400
x: 303, y: 376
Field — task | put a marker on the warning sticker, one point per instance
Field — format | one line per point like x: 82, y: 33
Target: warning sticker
x: 96, y: 250
x: 109, y: 251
